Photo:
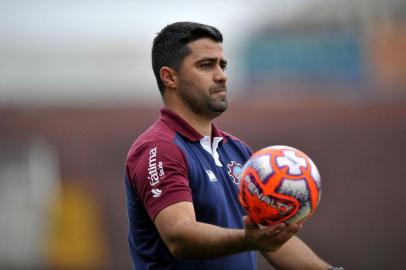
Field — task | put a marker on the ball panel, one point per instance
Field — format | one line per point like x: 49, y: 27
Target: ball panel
x: 262, y: 165
x: 294, y: 188
x: 315, y: 173
x: 293, y: 162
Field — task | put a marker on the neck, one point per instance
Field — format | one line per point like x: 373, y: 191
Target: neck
x: 198, y: 122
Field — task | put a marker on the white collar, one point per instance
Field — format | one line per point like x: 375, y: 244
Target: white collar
x: 211, y: 148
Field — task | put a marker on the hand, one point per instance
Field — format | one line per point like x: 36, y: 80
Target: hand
x: 269, y: 238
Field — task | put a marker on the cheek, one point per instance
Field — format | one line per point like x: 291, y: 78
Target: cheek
x: 195, y: 84
x: 199, y: 78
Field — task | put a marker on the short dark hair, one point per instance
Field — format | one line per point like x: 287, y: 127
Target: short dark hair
x: 170, y: 45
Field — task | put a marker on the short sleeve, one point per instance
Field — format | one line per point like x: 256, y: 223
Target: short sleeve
x: 159, y: 175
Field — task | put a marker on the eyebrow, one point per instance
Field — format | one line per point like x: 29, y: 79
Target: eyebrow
x: 213, y: 59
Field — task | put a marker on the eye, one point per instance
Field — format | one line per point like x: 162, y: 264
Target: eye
x: 205, y: 64
x: 223, y: 64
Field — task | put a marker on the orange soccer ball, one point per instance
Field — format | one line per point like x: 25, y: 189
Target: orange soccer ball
x: 279, y: 184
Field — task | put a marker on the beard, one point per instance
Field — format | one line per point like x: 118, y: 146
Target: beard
x: 199, y: 102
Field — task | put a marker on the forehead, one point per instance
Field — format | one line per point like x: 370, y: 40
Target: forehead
x: 205, y: 47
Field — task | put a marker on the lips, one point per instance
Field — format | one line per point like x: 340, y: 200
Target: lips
x: 220, y: 90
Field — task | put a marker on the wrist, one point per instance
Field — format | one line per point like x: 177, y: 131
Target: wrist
x: 247, y: 242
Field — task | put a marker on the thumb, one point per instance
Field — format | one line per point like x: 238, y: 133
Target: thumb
x: 249, y: 223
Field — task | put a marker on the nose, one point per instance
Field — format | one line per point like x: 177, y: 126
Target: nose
x: 220, y: 76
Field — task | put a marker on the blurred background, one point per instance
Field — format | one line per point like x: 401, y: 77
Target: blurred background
x: 77, y: 87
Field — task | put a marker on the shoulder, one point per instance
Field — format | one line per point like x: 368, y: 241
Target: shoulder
x: 231, y: 138
x: 157, y: 142
x: 157, y: 134
x: 153, y: 161
x: 151, y: 148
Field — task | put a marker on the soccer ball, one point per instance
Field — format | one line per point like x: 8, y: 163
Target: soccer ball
x: 279, y: 184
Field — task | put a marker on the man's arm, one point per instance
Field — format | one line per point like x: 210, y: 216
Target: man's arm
x: 295, y: 254
x: 185, y: 237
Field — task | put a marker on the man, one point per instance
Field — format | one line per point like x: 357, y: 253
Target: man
x: 181, y: 193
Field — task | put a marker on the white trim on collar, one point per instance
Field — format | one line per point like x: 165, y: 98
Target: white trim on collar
x: 211, y: 148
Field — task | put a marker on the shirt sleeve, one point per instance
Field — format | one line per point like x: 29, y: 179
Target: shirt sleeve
x: 159, y: 175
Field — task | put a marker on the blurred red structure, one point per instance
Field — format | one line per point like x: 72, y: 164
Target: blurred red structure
x: 359, y: 148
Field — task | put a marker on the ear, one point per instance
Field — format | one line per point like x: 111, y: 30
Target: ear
x: 168, y: 77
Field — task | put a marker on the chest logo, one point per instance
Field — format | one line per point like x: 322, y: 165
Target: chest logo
x: 235, y: 170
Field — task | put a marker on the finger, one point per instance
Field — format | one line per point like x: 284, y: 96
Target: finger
x: 294, y: 228
x: 275, y: 229
x: 288, y: 232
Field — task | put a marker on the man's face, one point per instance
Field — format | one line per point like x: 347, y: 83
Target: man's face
x: 202, y: 81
